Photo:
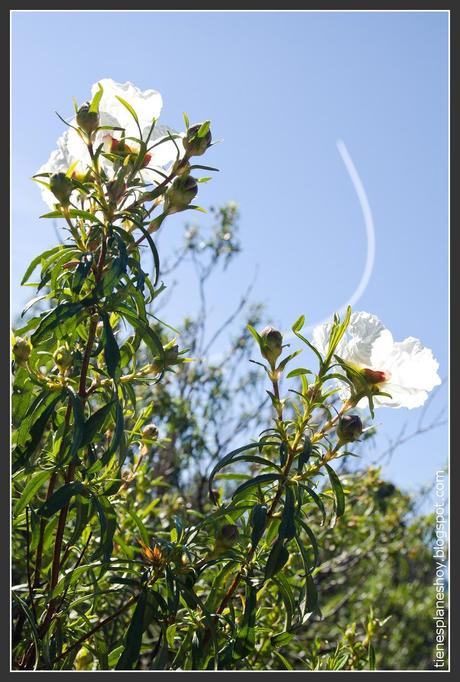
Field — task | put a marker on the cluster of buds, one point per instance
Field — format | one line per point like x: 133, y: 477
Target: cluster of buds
x: 21, y: 350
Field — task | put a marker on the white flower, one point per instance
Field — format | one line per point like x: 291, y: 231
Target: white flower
x: 147, y: 104
x: 404, y: 369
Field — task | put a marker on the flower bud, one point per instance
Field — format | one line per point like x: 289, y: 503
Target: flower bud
x: 375, y: 377
x: 150, y: 432
x: 385, y: 490
x: 114, y: 146
x: 63, y: 358
x: 86, y: 119
x: 195, y: 145
x: 181, y: 193
x: 62, y: 187
x: 272, y: 344
x: 171, y: 355
x: 21, y: 350
x: 349, y: 428
x: 228, y: 536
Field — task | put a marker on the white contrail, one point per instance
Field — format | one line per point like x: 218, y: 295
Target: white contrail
x: 370, y: 235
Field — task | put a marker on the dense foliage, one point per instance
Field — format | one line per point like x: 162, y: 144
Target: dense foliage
x: 151, y: 530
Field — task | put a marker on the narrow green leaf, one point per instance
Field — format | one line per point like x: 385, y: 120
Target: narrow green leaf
x: 133, y: 637
x: 108, y: 526
x: 94, y: 106
x: 276, y: 559
x: 256, y: 481
x: 112, y: 355
x: 34, y: 484
x: 94, y: 424
x: 298, y: 324
x: 258, y: 520
x: 60, y: 498
x: 246, y: 638
x: 287, y: 526
x: 231, y: 456
x: 338, y: 491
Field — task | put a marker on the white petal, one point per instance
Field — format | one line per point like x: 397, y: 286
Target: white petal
x: 146, y: 103
x: 358, y: 341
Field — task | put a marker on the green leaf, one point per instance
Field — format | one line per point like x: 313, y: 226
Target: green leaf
x: 31, y: 620
x: 94, y: 106
x: 133, y: 637
x: 287, y: 526
x: 256, y: 481
x: 298, y: 324
x: 305, y: 454
x: 61, y: 498
x: 313, y: 541
x: 153, y: 248
x: 311, y: 346
x: 140, y: 525
x: 61, y: 313
x: 34, y: 484
x: 112, y: 355
x: 73, y: 213
x: 298, y: 372
x: 287, y: 596
x: 317, y: 500
x: 258, y: 520
x: 255, y: 334
x: 116, y: 439
x: 276, y: 559
x: 281, y: 639
x: 203, y: 129
x: 287, y: 359
x: 283, y: 453
x: 94, y: 424
x: 371, y: 655
x: 246, y: 638
x: 81, y: 272
x: 131, y: 111
x: 231, y: 456
x: 108, y: 525
x: 37, y: 429
x: 36, y: 261
x: 283, y: 660
x: 338, y: 491
x: 150, y: 338
x: 79, y: 423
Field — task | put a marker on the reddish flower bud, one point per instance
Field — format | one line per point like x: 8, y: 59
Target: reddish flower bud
x: 374, y: 376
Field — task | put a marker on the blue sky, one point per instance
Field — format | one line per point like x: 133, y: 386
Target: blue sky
x: 280, y: 89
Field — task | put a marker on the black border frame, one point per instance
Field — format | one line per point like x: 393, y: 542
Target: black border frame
x: 5, y: 65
